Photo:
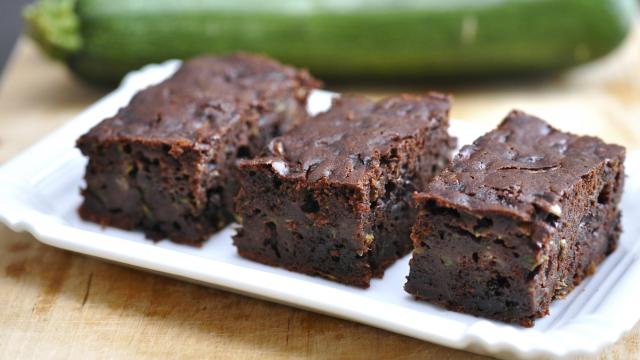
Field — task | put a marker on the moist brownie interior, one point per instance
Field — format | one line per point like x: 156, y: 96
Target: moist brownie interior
x: 333, y: 198
x: 165, y: 163
x: 519, y: 218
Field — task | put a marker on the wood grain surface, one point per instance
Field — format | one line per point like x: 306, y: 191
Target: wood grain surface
x: 56, y: 304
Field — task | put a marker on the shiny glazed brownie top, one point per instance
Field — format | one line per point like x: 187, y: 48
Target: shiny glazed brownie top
x: 352, y: 137
x: 523, y: 166
x: 203, y: 98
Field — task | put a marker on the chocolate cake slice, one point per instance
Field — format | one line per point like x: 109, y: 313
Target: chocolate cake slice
x: 165, y: 163
x: 519, y: 218
x: 333, y: 198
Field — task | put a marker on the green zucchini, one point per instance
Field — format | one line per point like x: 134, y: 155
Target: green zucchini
x: 101, y: 40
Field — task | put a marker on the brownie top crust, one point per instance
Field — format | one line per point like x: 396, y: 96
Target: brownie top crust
x: 352, y: 137
x: 518, y: 169
x: 203, y: 98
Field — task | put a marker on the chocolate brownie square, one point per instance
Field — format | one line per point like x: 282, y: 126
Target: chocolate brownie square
x: 519, y: 218
x: 333, y: 198
x: 165, y: 163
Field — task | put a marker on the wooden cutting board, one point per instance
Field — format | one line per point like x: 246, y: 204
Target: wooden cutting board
x: 56, y: 304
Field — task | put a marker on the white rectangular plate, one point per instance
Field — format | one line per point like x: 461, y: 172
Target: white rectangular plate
x: 39, y: 194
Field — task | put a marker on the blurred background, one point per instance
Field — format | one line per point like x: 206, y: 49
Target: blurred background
x: 10, y: 26
x: 543, y: 56
x: 341, y: 42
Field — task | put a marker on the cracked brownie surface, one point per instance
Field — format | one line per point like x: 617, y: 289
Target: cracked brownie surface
x: 517, y: 219
x: 333, y: 198
x: 165, y: 163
